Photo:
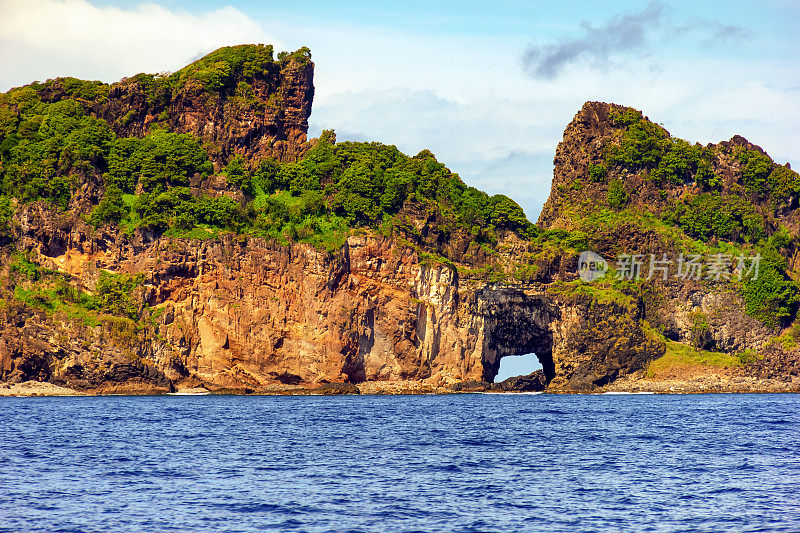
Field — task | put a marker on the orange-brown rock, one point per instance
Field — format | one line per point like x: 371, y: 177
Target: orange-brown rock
x: 239, y: 313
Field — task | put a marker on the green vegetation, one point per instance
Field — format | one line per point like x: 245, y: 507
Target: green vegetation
x: 644, y: 145
x: 699, y: 329
x: 601, y: 292
x: 6, y: 214
x: 597, y: 173
x: 788, y: 339
x: 747, y: 356
x: 784, y: 183
x: 680, y: 358
x: 115, y: 294
x: 218, y: 71
x: 709, y: 222
x: 756, y: 168
x: 43, y: 289
x: 81, y: 90
x: 762, y: 178
x: 772, y: 297
x: 341, y: 185
x: 21, y: 264
x: 303, y: 55
x: 616, y: 195
x: 50, y: 148
x: 157, y: 161
x: 47, y: 150
x: 179, y: 208
x: 725, y: 217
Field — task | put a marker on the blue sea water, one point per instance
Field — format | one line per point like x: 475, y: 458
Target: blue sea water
x: 401, y: 463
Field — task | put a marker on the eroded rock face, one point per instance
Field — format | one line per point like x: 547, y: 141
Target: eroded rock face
x: 517, y: 322
x: 242, y: 312
x: 533, y: 382
x: 597, y: 342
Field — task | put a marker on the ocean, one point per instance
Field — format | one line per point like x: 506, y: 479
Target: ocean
x: 471, y: 462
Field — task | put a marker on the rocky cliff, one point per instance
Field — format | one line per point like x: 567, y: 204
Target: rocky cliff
x: 418, y: 307
x: 240, y: 312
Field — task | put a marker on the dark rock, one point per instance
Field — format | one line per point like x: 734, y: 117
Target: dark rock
x: 471, y: 386
x: 334, y: 389
x: 533, y: 382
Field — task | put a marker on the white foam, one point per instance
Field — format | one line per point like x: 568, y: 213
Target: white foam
x: 620, y: 393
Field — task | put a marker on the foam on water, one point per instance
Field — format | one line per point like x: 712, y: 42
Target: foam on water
x: 621, y: 393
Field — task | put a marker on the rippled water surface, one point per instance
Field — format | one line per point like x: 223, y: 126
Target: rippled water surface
x: 401, y: 463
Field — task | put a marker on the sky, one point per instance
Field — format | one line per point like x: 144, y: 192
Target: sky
x: 511, y: 366
x: 487, y: 86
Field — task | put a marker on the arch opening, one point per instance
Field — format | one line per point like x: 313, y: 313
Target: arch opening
x: 517, y: 324
x: 512, y: 366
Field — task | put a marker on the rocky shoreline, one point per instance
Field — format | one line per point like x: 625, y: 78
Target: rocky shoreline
x: 696, y: 385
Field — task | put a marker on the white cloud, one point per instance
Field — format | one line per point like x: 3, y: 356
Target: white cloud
x: 469, y: 101
x: 43, y: 39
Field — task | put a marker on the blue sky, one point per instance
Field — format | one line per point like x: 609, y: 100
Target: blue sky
x: 487, y: 86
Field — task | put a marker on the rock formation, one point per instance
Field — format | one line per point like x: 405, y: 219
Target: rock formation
x: 257, y: 114
x: 236, y: 312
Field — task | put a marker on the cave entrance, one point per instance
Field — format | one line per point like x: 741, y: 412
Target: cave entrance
x: 517, y: 365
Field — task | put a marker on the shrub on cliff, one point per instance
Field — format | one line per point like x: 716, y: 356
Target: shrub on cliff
x: 705, y: 175
x: 756, y: 168
x: 302, y: 55
x: 616, y: 195
x: 112, y: 207
x: 88, y: 91
x: 597, y: 173
x: 644, y: 145
x: 179, y: 208
x: 784, y: 184
x: 158, y: 161
x: 762, y: 178
x: 114, y: 294
x: 709, y: 215
x: 772, y: 297
x: 6, y: 218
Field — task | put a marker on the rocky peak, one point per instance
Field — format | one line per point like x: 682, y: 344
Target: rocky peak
x: 239, y: 100
x: 607, y: 146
